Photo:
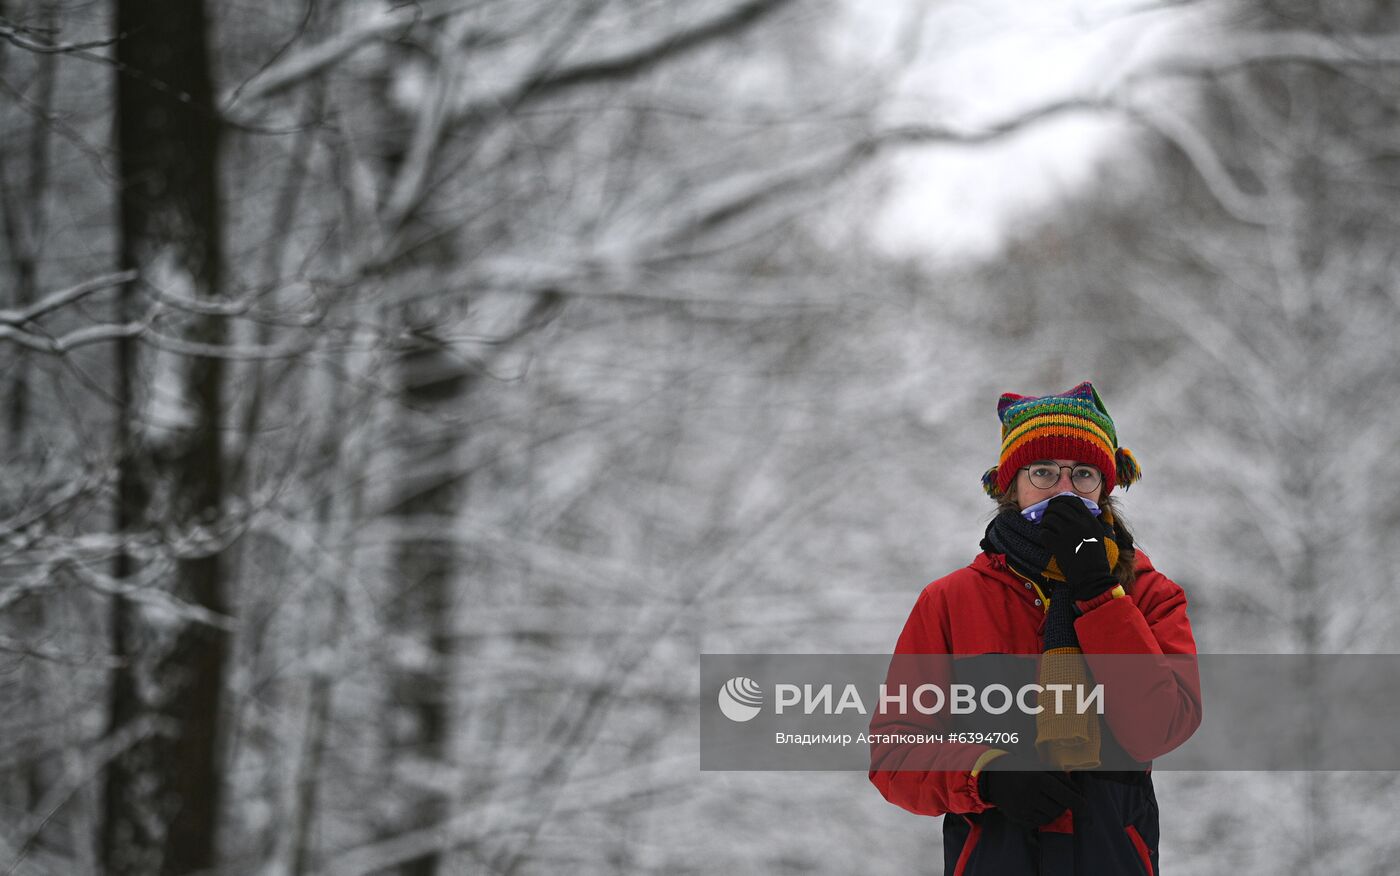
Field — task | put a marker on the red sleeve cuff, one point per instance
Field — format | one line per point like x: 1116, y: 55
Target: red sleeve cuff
x: 978, y: 804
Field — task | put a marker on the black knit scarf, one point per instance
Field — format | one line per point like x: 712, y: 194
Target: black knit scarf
x: 1013, y: 535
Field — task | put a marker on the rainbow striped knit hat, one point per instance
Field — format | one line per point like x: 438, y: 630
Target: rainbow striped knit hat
x: 1072, y: 425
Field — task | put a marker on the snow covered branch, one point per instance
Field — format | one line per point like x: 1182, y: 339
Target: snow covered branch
x: 55, y: 300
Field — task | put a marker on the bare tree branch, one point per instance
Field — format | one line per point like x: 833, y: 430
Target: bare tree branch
x: 64, y: 296
x: 432, y: 120
x: 312, y: 61
x: 17, y: 36
x: 1275, y: 47
x: 92, y: 757
x: 245, y: 352
x: 1176, y: 127
x: 71, y: 341
x: 152, y: 597
x: 514, y: 810
x: 632, y: 61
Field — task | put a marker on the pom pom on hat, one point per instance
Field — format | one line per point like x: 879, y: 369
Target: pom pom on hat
x: 989, y: 483
x: 1129, y: 472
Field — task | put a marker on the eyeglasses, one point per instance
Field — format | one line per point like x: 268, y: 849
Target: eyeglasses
x: 1044, y: 475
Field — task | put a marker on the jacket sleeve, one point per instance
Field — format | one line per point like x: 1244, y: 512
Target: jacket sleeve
x: 924, y: 778
x: 1152, y: 702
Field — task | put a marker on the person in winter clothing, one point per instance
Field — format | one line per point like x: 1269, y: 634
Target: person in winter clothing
x: 1058, y: 579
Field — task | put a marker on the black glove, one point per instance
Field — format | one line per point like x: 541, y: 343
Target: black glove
x: 1075, y: 536
x: 1026, y: 791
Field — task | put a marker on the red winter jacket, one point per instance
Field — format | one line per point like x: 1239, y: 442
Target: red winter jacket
x: 985, y: 608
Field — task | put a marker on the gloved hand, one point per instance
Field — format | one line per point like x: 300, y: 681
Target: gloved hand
x: 1075, y: 536
x: 1026, y: 791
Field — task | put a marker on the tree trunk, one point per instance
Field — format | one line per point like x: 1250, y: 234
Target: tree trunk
x: 432, y: 381
x: 24, y: 182
x: 162, y: 793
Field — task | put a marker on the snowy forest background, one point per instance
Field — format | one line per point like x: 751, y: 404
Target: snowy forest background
x: 398, y: 399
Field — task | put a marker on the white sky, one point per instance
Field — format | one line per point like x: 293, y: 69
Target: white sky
x: 984, y: 60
